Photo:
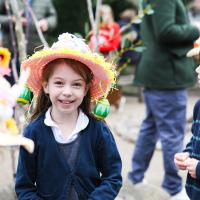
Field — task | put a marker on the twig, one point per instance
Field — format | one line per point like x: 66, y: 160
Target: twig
x: 121, y: 51
x: 90, y: 12
x: 22, y: 52
x: 124, y: 66
x: 14, y: 68
x: 13, y: 41
x: 13, y: 163
x: 19, y: 31
x: 40, y: 34
x: 96, y: 27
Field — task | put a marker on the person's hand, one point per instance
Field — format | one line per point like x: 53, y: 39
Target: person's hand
x: 191, y: 166
x: 180, y: 160
x: 23, y: 20
x: 43, y: 25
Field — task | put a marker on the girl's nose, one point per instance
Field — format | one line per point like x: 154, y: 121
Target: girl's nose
x: 67, y: 90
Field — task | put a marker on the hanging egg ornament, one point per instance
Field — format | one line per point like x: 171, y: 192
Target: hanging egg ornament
x: 194, y: 52
x: 25, y: 96
x: 101, y: 108
x: 197, y: 43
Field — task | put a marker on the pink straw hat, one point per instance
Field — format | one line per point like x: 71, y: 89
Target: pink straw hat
x: 71, y: 47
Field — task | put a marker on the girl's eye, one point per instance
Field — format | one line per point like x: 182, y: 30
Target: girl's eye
x: 59, y: 83
x: 77, y: 85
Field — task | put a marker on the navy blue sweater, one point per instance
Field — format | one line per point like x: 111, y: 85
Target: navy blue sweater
x: 46, y: 175
x: 193, y: 147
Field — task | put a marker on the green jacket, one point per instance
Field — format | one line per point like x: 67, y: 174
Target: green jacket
x: 42, y: 9
x: 167, y: 36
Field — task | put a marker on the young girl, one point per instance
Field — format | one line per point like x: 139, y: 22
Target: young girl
x: 75, y: 156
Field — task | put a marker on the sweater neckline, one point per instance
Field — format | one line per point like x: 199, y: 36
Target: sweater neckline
x: 61, y: 158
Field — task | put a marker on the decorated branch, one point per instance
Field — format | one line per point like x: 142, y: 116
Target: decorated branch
x: 9, y: 132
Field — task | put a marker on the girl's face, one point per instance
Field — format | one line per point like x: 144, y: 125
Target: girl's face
x: 66, y: 90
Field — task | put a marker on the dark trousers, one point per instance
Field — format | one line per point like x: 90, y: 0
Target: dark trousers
x: 165, y: 120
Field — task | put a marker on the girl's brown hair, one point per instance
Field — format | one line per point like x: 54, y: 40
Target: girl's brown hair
x: 43, y: 102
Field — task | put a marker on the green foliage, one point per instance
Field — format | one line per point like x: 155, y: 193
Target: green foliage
x: 139, y: 49
x: 128, y: 45
x: 148, y: 9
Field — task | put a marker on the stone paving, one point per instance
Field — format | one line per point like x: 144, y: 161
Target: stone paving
x: 6, y: 175
x: 142, y: 191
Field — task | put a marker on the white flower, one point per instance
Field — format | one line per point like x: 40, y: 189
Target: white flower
x: 70, y: 41
x: 8, y: 94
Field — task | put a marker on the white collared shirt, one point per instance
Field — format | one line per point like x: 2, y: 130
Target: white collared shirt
x: 81, y: 124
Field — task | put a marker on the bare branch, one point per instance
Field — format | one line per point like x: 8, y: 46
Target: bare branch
x: 40, y: 34
x: 91, y: 16
x: 96, y: 27
x: 19, y: 31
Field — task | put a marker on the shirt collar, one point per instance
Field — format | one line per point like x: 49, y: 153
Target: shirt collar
x: 81, y: 123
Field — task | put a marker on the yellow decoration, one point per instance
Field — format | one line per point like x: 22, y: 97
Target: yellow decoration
x: 12, y: 126
x: 9, y: 132
x: 4, y: 57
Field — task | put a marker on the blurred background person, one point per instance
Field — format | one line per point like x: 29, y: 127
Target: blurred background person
x: 109, y: 36
x: 194, y: 13
x: 47, y: 21
x: 131, y: 35
x: 165, y: 72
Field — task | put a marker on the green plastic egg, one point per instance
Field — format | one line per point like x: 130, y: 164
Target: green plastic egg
x: 25, y: 96
x: 101, y: 109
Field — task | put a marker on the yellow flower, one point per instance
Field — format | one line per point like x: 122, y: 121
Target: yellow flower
x: 4, y: 57
x: 12, y: 126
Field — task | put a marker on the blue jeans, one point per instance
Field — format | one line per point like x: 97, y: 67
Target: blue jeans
x: 165, y: 120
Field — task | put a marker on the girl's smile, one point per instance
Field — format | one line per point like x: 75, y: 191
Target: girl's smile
x: 66, y: 103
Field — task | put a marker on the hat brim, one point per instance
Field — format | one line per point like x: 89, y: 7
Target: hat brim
x: 103, y: 72
x: 193, y: 52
